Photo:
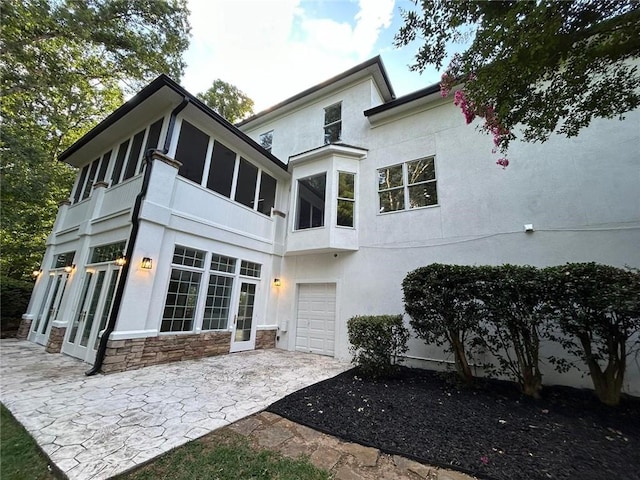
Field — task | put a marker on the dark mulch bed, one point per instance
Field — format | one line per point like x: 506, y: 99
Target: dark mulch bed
x: 488, y: 430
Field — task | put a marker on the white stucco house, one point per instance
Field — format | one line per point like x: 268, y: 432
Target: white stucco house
x: 277, y: 230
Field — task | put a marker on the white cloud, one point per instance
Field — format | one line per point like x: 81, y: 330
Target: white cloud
x: 274, y: 49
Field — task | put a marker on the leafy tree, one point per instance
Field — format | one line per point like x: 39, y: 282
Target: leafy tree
x: 65, y: 65
x: 441, y: 301
x: 227, y: 101
x: 597, y: 311
x: 546, y: 66
x: 513, y: 299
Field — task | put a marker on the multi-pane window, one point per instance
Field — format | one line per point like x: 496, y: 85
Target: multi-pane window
x: 311, y: 196
x: 218, y: 303
x: 333, y: 123
x: 189, y: 257
x: 182, y: 295
x: 220, y: 263
x: 63, y: 260
x: 266, y: 140
x: 408, y: 185
x: 250, y: 269
x: 346, y: 199
x: 107, y: 253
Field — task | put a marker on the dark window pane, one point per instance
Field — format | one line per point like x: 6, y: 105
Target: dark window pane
x: 332, y: 133
x: 103, y: 166
x: 420, y: 171
x: 80, y: 186
x: 246, y: 186
x: 152, y: 139
x: 266, y: 140
x: 346, y: 185
x: 223, y: 161
x: 311, y: 196
x: 392, y: 200
x: 191, y: 151
x: 332, y: 113
x: 390, y: 177
x: 345, y: 213
x: 90, y: 178
x: 422, y: 195
x: 134, y: 154
x: 267, y: 197
x: 117, y: 168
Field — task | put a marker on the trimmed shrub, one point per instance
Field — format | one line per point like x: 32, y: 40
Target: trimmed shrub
x: 597, y: 311
x: 377, y: 343
x: 441, y: 301
x: 512, y: 295
x: 14, y: 300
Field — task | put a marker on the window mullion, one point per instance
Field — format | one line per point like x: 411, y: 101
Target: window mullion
x: 405, y: 182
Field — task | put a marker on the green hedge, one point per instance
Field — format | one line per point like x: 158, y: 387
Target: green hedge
x: 377, y: 343
x: 14, y: 300
x: 591, y: 310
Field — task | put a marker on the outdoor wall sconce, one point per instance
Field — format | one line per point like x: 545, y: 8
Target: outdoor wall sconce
x: 276, y: 282
x: 70, y: 268
x: 146, y: 263
x: 121, y: 260
x: 36, y: 273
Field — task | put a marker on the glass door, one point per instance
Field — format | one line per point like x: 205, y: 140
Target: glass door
x: 50, y: 307
x: 243, y: 334
x: 92, y: 313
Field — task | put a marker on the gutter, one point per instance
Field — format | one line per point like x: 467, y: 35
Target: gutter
x: 135, y: 225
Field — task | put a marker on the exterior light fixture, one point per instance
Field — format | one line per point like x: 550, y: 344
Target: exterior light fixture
x: 146, y: 263
x: 121, y: 260
x: 35, y: 273
x: 276, y: 282
x: 69, y: 268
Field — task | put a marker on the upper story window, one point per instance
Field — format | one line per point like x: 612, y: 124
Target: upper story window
x: 333, y: 123
x: 408, y: 185
x: 346, y: 199
x: 311, y: 197
x: 107, y: 253
x: 63, y: 260
x: 192, y: 151
x: 266, y: 140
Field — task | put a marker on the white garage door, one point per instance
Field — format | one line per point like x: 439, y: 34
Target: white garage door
x: 316, y: 318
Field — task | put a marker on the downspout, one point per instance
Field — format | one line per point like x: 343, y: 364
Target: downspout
x: 135, y: 226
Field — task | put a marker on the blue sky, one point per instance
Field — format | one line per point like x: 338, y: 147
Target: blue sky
x: 273, y: 49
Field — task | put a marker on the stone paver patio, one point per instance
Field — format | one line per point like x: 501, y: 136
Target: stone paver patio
x: 95, y: 427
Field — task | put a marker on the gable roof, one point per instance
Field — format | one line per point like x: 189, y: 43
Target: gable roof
x: 373, y: 67
x: 161, y: 94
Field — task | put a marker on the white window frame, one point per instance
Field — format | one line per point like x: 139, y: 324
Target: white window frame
x: 331, y: 124
x: 406, y: 185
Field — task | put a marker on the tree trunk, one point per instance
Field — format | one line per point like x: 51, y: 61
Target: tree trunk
x: 462, y: 366
x: 607, y: 383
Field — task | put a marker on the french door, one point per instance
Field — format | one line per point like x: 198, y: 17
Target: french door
x: 243, y: 333
x: 94, y: 306
x: 49, y: 308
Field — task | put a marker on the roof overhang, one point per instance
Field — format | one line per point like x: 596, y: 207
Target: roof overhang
x: 153, y: 101
x: 332, y: 149
x: 416, y: 100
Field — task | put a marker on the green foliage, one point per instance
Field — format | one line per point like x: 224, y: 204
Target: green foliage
x: 597, y: 311
x: 21, y: 458
x: 225, y: 456
x: 377, y: 343
x: 65, y: 66
x: 512, y: 297
x: 227, y: 101
x: 547, y: 66
x: 441, y: 301
x: 14, y: 297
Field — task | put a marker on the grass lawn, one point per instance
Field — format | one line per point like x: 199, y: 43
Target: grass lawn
x: 221, y: 455
x: 20, y: 457
x: 225, y: 455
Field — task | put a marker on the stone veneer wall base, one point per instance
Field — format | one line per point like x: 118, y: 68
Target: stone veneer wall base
x: 265, y: 339
x: 23, y: 329
x: 134, y: 353
x: 56, y: 336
